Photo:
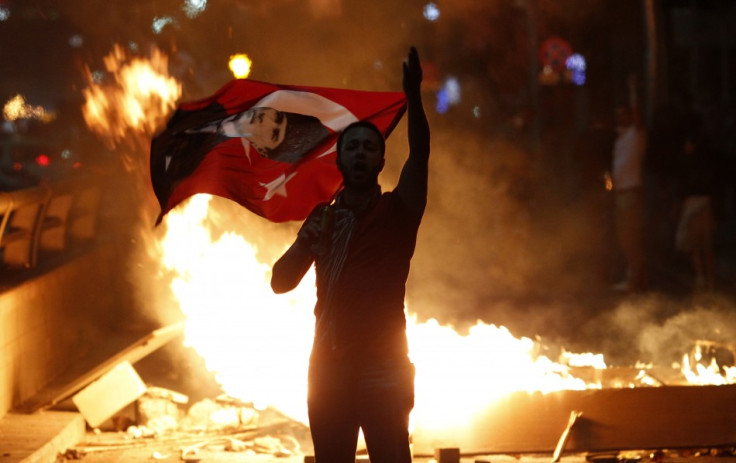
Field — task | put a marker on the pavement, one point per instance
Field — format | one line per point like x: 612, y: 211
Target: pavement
x: 39, y: 437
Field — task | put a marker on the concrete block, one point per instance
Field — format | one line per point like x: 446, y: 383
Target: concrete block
x: 109, y: 394
x: 447, y: 455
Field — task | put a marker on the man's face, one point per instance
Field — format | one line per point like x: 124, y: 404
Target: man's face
x: 361, y: 159
x: 265, y: 128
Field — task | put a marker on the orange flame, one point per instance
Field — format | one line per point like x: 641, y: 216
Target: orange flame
x: 258, y: 343
x: 137, y: 101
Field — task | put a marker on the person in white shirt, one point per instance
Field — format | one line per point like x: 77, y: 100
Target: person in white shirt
x: 628, y: 160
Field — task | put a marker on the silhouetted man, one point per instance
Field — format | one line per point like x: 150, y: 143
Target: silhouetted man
x: 360, y: 375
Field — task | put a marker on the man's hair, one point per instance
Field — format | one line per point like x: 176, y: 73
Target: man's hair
x: 303, y: 133
x: 355, y: 125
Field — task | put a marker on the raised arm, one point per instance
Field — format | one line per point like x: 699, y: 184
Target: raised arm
x: 412, y: 186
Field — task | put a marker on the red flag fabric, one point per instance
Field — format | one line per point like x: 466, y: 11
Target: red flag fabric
x: 268, y: 147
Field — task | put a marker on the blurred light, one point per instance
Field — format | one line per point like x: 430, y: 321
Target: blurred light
x: 77, y: 165
x: 76, y: 41
x: 9, y: 127
x: 42, y: 160
x: 159, y: 23
x: 17, y: 108
x: 192, y: 8
x: 66, y: 154
x: 575, y: 63
x: 133, y: 46
x: 448, y: 95
x: 452, y: 87
x: 378, y: 64
x: 98, y: 76
x: 431, y: 12
x: 4, y: 13
x: 476, y: 111
x: 240, y: 65
x: 17, y: 166
x: 442, y: 102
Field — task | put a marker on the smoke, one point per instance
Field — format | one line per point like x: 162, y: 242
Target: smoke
x: 660, y: 329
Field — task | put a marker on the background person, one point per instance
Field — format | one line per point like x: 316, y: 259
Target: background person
x: 626, y: 173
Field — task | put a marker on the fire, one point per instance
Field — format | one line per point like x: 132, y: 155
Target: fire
x: 258, y: 343
x: 240, y: 65
x: 17, y: 108
x: 701, y: 366
x: 138, y: 99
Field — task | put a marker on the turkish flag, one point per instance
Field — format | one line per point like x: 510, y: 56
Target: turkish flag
x: 268, y: 147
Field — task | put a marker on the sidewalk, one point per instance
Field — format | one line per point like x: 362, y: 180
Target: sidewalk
x: 38, y: 437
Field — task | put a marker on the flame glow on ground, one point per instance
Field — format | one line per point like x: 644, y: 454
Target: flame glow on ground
x: 258, y: 343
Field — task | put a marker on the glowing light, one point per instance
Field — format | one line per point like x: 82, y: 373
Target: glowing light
x: 452, y: 86
x: 97, y: 76
x: 159, y: 23
x: 240, y: 65
x: 476, y: 111
x: 431, y: 12
x: 17, y: 108
x: 442, y: 102
x: 193, y: 8
x: 42, y: 160
x: 4, y: 13
x: 576, y: 64
x: 137, y: 100
x: 76, y: 41
x: 17, y: 166
x: 448, y: 95
x: 66, y: 154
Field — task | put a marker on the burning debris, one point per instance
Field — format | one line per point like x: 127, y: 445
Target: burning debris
x: 161, y: 422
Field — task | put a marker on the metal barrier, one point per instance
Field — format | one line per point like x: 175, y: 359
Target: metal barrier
x: 46, y: 218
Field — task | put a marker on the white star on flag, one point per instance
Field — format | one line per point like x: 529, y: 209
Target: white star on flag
x: 277, y: 186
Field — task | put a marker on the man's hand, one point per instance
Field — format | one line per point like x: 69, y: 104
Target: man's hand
x: 313, y: 232
x: 310, y: 233
x: 412, y: 73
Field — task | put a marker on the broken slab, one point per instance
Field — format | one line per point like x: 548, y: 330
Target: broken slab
x: 104, y: 358
x: 612, y: 419
x: 112, y: 392
x: 39, y: 437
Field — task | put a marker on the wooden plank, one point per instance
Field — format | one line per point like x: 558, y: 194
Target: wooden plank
x: 612, y: 419
x: 69, y: 384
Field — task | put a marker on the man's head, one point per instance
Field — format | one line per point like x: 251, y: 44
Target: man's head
x: 360, y: 154
x: 265, y: 128
x: 302, y: 133
x: 281, y: 136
